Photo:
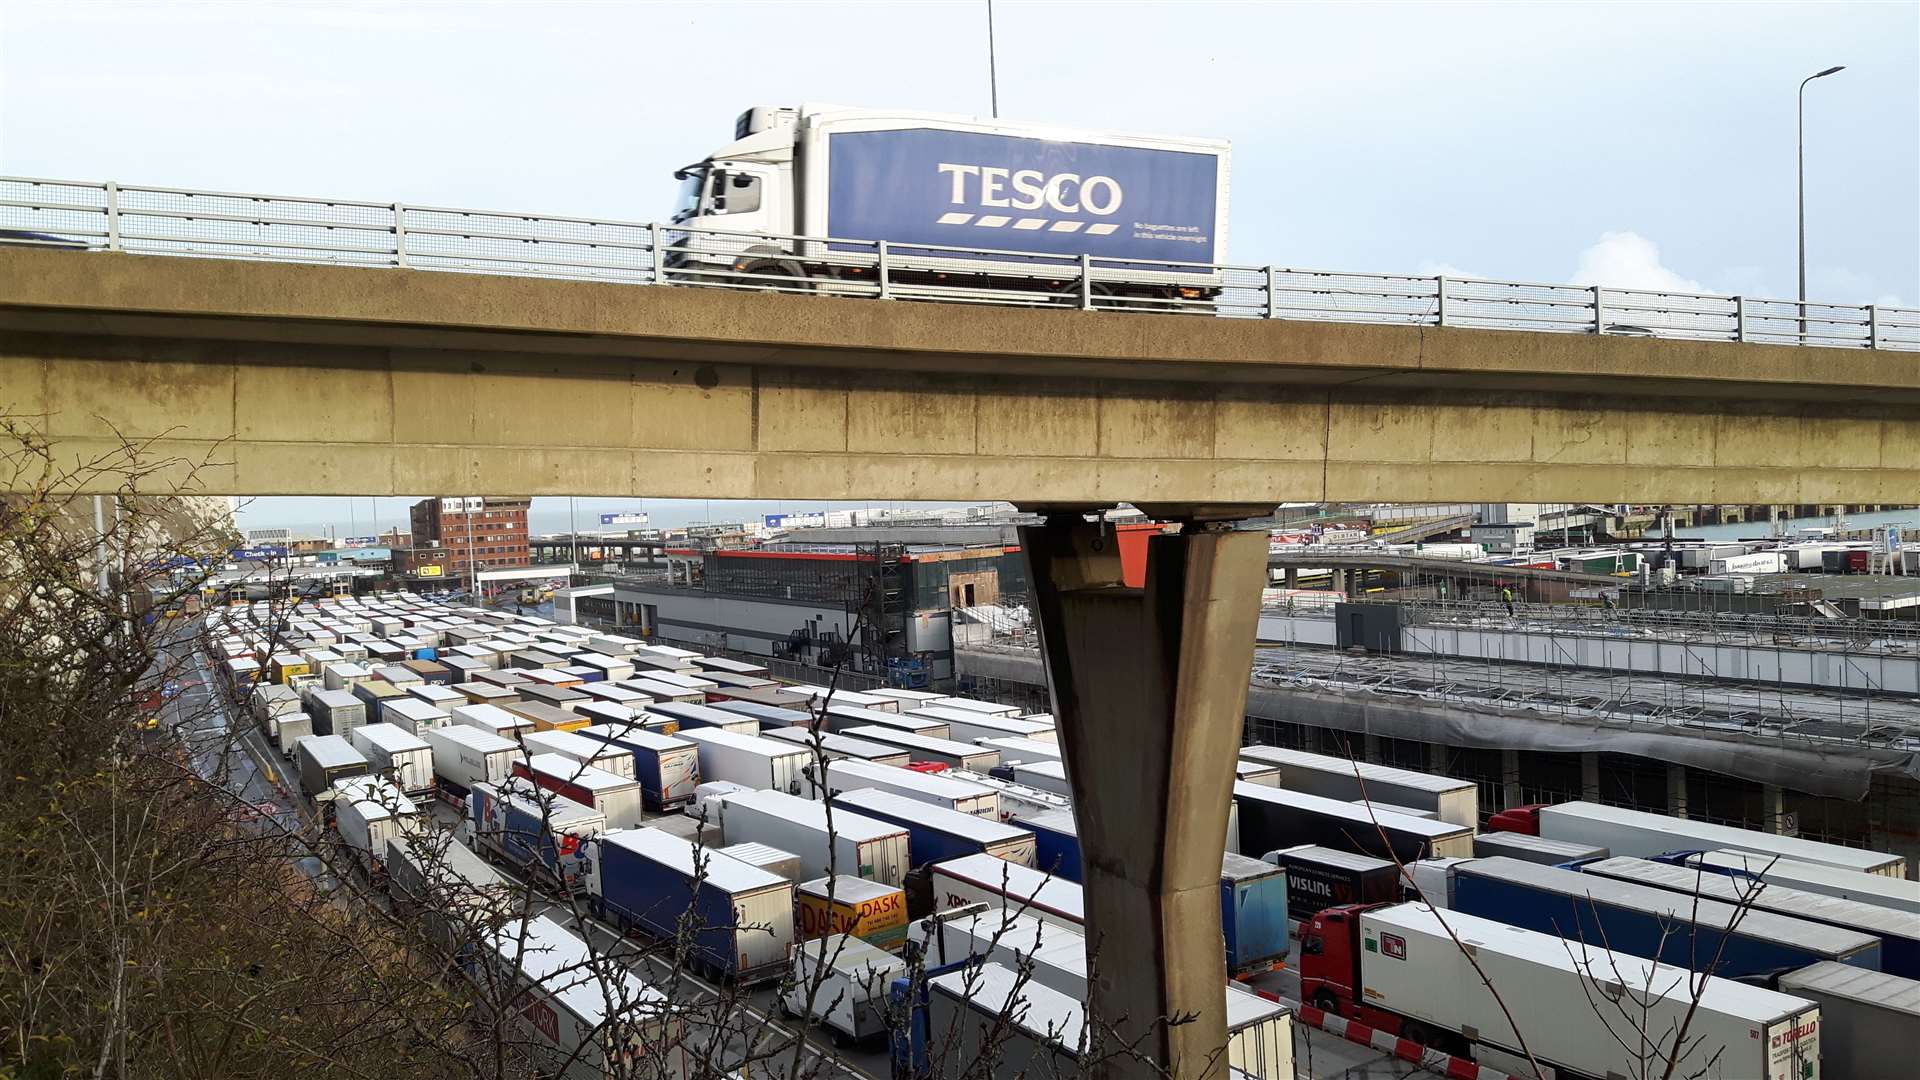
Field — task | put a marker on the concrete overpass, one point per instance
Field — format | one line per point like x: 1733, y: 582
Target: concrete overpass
x: 329, y: 380
x: 294, y: 379
x: 1535, y: 583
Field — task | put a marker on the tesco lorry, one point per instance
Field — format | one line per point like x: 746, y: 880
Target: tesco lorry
x: 1578, y: 1009
x: 1037, y: 197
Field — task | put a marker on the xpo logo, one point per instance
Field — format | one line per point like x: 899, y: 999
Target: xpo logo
x: 1031, y: 189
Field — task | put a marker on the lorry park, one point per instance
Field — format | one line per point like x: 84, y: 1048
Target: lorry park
x: 911, y: 882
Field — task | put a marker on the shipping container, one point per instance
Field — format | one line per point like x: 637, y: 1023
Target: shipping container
x: 1646, y: 835
x: 668, y: 768
x: 839, y: 747
x: 851, y: 775
x: 336, y: 712
x: 618, y: 797
x: 464, y: 755
x: 1899, y: 894
x: 704, y: 716
x: 582, y: 1015
x: 1897, y: 931
x: 840, y: 717
x: 1323, y: 877
x: 936, y: 833
x: 1641, y: 920
x: 749, y: 760
x: 741, y: 916
x: 873, y: 912
x: 325, y: 759
x: 1422, y: 986
x: 531, y: 829
x: 396, y: 754
x: 1454, y: 801
x: 368, y: 812
x: 1534, y: 849
x: 842, y: 983
x: 948, y: 752
x: 985, y: 879
x: 1869, y: 1021
x: 598, y: 753
x: 493, y: 720
x: 1272, y: 818
x: 861, y: 846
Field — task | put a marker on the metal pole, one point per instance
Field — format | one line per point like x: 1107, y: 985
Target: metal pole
x: 993, y: 66
x: 1086, y: 282
x: 1801, y: 161
x: 659, y: 254
x: 886, y: 284
x: 1599, y: 310
x: 399, y: 234
x: 100, y: 544
x: 573, y: 530
x: 1440, y: 297
x: 1272, y: 293
x: 113, y: 216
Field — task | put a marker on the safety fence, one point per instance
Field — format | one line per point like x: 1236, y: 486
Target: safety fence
x: 93, y: 216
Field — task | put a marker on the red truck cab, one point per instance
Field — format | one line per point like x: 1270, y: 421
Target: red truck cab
x: 1332, y: 978
x: 1519, y: 819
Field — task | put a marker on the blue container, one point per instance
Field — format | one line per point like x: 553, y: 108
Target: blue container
x: 426, y: 654
x: 1640, y: 920
x: 586, y: 672
x: 1056, y: 843
x: 1253, y: 912
x: 648, y: 881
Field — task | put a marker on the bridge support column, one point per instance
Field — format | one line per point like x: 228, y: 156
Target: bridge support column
x: 1773, y: 809
x: 1590, y: 776
x: 1149, y: 687
x: 1293, y: 577
x: 1510, y: 791
x: 1677, y: 791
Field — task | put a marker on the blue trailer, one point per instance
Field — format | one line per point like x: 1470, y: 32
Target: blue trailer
x: 668, y: 768
x: 936, y: 833
x: 1649, y: 922
x: 530, y: 828
x: 1898, y: 931
x: 1253, y: 894
x: 647, y: 880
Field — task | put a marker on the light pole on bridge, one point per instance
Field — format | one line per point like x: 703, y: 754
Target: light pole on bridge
x: 1803, y: 191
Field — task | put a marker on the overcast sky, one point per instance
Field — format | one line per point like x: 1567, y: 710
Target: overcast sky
x: 1636, y: 145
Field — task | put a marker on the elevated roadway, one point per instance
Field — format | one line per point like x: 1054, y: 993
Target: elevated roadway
x: 297, y: 379
x: 1456, y: 569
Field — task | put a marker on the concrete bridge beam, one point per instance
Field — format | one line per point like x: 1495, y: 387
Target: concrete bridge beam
x: 1149, y: 687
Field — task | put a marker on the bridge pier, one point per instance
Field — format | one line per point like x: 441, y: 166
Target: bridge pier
x: 1149, y: 687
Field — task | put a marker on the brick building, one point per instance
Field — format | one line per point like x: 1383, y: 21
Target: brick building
x: 493, y: 531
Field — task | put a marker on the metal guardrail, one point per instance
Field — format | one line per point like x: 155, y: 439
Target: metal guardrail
x: 84, y: 215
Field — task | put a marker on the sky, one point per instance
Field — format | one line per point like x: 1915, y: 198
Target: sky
x: 1638, y: 145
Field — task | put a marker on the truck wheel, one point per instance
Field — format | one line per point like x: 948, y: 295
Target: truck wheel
x: 1327, y: 1003
x: 1416, y: 1032
x: 777, y: 277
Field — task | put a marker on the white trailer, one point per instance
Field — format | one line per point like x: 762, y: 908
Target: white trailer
x: 984, y: 708
x: 290, y: 728
x: 431, y: 875
x: 854, y: 979
x: 1015, y: 750
x: 396, y: 754
x: 1869, y: 1021
x: 838, y: 718
x: 618, y: 797
x: 595, y: 752
x: 464, y: 755
x: 859, y: 846
x: 581, y: 1015
x: 836, y: 747
x: 1016, y: 799
x: 850, y: 775
x: 1896, y: 893
x: 843, y: 696
x: 948, y: 752
x: 1411, y: 968
x: 1456, y: 802
x: 749, y: 760
x: 1049, y: 774
x: 368, y: 812
x: 1645, y: 835
x: 999, y: 883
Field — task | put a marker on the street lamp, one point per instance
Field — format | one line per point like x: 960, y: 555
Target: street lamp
x: 1803, y: 191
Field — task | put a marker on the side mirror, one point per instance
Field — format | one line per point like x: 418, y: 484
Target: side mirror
x: 742, y: 180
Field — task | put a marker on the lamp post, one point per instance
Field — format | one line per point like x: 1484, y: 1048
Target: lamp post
x: 1803, y: 191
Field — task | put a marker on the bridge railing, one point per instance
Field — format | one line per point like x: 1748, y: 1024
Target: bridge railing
x: 83, y: 215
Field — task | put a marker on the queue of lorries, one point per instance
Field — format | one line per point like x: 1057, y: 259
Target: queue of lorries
x: 602, y: 765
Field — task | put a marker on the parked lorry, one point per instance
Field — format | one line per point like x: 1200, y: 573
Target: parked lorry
x: 397, y: 755
x: 432, y: 876
x: 326, y: 759
x: 1047, y: 774
x: 647, y: 879
x: 1869, y: 1021
x: 1448, y: 799
x: 1397, y: 969
x: 985, y: 879
x: 494, y: 719
x: 843, y: 776
x: 1322, y: 877
x: 617, y: 797
x: 969, y: 725
x: 1899, y: 894
x: 936, y: 833
x: 1642, y: 920
x: 748, y: 760
x: 1534, y: 849
x: 841, y: 983
x: 856, y: 845
x: 336, y: 712
x: 1018, y: 800
x: 580, y: 1015
x: 839, y: 718
x: 693, y: 716
x: 464, y: 756
x: 957, y: 755
x: 873, y: 912
x: 1646, y: 835
x: 1272, y: 818
x: 586, y: 751
x: 534, y: 830
x: 290, y: 728
x: 1898, y: 932
x: 367, y: 812
x: 1038, y: 194
x: 668, y: 768
x: 410, y: 713
x: 840, y: 747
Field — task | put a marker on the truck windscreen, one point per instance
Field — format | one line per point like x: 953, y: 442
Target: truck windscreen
x: 693, y: 183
